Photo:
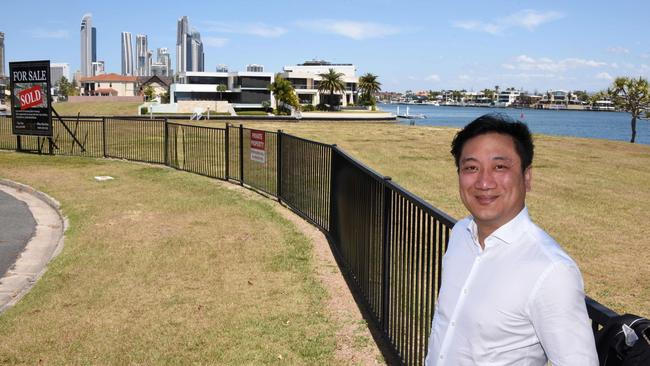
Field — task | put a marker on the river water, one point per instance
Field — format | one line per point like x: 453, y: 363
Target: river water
x: 590, y: 124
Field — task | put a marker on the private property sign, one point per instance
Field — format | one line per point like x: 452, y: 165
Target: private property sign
x: 30, y: 98
x: 258, y: 146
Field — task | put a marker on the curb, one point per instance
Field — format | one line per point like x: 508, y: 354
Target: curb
x: 32, y: 262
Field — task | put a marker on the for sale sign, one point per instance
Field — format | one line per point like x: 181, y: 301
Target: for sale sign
x: 258, y: 146
x: 30, y: 98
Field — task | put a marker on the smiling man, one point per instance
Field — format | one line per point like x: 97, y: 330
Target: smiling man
x: 510, y: 295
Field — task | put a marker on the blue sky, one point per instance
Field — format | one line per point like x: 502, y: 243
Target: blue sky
x: 417, y: 45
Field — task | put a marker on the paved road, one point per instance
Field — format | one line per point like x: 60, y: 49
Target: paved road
x: 17, y: 226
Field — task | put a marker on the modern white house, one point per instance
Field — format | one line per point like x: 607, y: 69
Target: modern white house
x: 304, y: 78
x: 507, y: 97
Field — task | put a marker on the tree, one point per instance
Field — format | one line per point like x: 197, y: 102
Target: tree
x: 369, y: 86
x: 631, y: 95
x: 283, y: 92
x: 221, y: 88
x: 149, y: 92
x: 66, y: 88
x: 489, y: 93
x: 332, y: 82
x: 456, y: 95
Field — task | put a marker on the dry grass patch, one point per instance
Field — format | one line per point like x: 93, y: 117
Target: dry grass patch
x: 164, y: 267
x: 592, y: 196
x: 97, y: 109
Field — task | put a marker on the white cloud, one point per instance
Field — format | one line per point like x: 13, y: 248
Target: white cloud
x: 474, y: 25
x: 528, y: 19
x: 464, y: 77
x: 350, y: 29
x: 645, y: 55
x: 527, y: 63
x: 255, y: 29
x: 433, y: 77
x: 618, y: 50
x: 52, y: 34
x: 604, y: 76
x: 215, y: 41
x: 531, y: 19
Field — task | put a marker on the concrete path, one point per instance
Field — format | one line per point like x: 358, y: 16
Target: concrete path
x: 35, y: 226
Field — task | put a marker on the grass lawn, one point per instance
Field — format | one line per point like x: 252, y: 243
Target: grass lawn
x: 165, y: 267
x: 97, y: 109
x: 592, y: 196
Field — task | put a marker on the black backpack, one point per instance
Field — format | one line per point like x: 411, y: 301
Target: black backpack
x: 611, y: 346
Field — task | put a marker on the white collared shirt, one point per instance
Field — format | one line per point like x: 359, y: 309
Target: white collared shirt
x: 519, y: 301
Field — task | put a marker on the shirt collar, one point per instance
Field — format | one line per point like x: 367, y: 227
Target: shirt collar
x: 508, y: 233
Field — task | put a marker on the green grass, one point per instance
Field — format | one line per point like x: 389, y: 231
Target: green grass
x: 165, y: 267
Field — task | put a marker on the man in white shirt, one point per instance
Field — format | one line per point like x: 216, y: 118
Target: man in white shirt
x: 510, y: 295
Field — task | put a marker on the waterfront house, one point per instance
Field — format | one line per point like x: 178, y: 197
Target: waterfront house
x: 304, y: 78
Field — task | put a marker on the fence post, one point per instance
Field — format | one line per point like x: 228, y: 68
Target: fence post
x: 241, y: 154
x: 166, y: 137
x: 19, y: 143
x: 385, y: 293
x: 104, y: 136
x: 227, y: 144
x: 279, y: 165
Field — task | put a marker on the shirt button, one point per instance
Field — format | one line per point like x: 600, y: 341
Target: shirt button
x: 465, y: 291
x: 453, y: 324
x: 442, y: 356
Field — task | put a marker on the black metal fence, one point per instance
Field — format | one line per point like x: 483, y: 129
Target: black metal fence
x: 390, y: 241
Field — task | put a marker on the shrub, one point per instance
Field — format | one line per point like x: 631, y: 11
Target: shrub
x: 144, y: 110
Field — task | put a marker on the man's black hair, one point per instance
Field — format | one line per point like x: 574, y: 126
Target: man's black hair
x: 496, y: 123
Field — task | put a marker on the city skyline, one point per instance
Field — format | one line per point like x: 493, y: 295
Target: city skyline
x: 425, y: 46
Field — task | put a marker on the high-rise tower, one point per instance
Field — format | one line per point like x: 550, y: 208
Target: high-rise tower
x: 88, y: 45
x: 165, y: 59
x: 141, y: 55
x: 127, y: 54
x: 189, y: 48
x: 2, y: 54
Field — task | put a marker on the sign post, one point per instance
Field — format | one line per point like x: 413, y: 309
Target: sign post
x: 31, y: 102
x: 258, y: 146
x: 31, y: 106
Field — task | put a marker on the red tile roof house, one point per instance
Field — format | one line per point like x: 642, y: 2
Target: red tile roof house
x: 108, y: 88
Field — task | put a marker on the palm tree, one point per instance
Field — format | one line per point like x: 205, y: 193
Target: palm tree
x: 331, y: 81
x: 369, y: 86
x: 283, y: 92
x: 221, y: 88
x: 631, y: 95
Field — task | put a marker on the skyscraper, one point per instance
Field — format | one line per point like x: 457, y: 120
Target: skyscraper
x: 197, y: 52
x: 189, y: 48
x: 59, y: 70
x: 88, y: 45
x: 127, y: 54
x: 164, y: 58
x: 2, y: 54
x: 141, y: 55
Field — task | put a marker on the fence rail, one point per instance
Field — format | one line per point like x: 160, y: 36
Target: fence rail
x: 390, y: 241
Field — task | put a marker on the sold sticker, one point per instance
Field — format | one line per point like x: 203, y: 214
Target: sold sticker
x: 30, y: 97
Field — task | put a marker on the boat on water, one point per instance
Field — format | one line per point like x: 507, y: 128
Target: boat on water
x: 408, y: 115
